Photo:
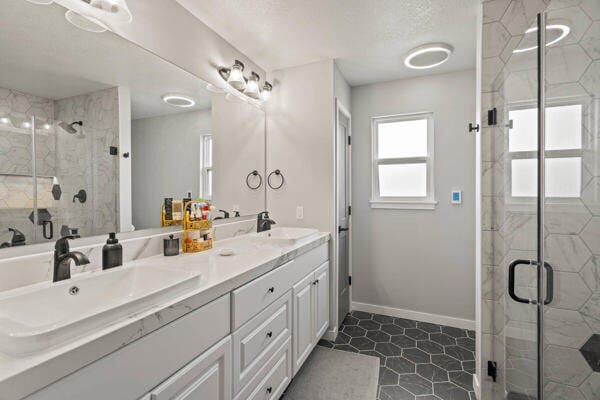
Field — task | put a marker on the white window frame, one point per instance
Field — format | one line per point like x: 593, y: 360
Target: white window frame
x: 403, y: 203
x: 205, y: 169
x: 549, y: 154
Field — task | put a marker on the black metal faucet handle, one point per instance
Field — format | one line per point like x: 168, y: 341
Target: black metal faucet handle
x: 264, y: 214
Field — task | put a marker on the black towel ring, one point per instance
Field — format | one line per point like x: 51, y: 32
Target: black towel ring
x: 254, y: 173
x: 278, y: 173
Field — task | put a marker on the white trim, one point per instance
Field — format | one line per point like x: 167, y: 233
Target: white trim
x: 428, y: 160
x: 404, y: 205
x: 476, y: 385
x: 415, y: 315
x: 331, y: 335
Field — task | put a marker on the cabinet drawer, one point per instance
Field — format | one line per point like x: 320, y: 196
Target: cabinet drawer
x: 273, y: 378
x: 207, y: 377
x: 256, y: 341
x: 249, y: 299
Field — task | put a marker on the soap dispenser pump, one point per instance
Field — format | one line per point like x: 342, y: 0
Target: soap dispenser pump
x: 112, y: 252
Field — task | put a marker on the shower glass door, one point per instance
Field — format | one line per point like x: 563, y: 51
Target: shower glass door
x: 549, y: 230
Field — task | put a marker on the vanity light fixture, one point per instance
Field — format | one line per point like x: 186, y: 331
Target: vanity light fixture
x: 559, y: 30
x: 4, y: 120
x: 93, y: 15
x: 252, y: 89
x: 234, y: 75
x: 179, y: 100
x: 242, y: 88
x: 428, y: 56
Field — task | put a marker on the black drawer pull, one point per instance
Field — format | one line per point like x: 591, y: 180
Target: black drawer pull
x: 271, y: 290
x: 269, y: 389
x: 316, y: 282
x: 269, y: 335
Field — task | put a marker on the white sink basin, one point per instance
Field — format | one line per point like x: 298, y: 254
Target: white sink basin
x: 286, y: 235
x: 42, y: 316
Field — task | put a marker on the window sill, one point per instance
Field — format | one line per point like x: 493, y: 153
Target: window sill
x: 404, y: 205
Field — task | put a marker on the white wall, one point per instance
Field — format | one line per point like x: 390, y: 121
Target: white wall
x: 416, y: 260
x: 165, y: 149
x: 341, y: 88
x: 300, y: 143
x: 238, y: 149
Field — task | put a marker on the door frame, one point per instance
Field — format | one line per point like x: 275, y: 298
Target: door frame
x: 341, y: 109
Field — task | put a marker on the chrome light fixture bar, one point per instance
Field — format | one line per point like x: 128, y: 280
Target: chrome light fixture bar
x: 247, y: 89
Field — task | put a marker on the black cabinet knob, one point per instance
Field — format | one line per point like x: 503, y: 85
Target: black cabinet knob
x: 269, y: 389
x: 269, y: 334
x: 271, y: 289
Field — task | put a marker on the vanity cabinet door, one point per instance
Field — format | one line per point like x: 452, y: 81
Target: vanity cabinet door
x: 302, y: 342
x: 207, y: 377
x: 321, y: 301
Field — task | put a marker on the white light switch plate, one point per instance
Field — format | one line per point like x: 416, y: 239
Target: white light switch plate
x: 299, y: 212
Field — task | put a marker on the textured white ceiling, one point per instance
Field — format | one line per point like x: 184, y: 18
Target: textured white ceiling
x: 44, y: 55
x: 367, y: 38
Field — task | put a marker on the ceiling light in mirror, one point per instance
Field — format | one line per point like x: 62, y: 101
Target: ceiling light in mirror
x: 236, y: 77
x: 252, y: 89
x: 86, y: 23
x: 555, y: 32
x: 179, y: 100
x: 428, y: 56
x: 4, y: 120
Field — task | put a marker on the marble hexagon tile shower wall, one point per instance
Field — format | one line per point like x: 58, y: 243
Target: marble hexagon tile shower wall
x: 572, y: 228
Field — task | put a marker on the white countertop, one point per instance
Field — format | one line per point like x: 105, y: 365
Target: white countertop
x: 21, y: 376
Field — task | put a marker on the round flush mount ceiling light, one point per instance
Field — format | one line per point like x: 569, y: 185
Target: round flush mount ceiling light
x: 428, y: 56
x: 179, y: 100
x: 554, y: 33
x: 87, y: 23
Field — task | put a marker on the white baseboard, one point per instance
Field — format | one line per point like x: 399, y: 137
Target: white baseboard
x: 476, y: 387
x: 416, y: 315
x: 331, y: 335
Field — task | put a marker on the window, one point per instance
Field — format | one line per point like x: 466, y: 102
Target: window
x: 403, y: 162
x: 206, y: 167
x: 563, y: 151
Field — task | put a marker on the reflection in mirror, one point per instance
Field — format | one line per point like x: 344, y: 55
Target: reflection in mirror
x: 95, y: 132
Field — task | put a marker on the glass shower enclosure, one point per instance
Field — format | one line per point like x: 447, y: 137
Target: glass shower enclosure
x: 541, y: 200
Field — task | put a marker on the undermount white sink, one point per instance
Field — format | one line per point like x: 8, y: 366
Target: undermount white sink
x: 286, y: 235
x: 42, y: 316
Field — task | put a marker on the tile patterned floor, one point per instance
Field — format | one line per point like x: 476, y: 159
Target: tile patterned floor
x: 418, y: 360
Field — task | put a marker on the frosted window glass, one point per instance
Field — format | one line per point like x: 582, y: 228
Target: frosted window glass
x: 563, y: 177
x: 523, y: 180
x: 563, y: 127
x: 402, y: 139
x: 403, y: 180
x: 523, y: 135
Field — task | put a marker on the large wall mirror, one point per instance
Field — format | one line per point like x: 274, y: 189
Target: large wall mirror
x: 95, y: 132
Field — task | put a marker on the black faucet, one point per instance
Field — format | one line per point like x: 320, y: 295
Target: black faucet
x: 63, y: 257
x: 225, y: 215
x: 18, y: 239
x: 264, y: 222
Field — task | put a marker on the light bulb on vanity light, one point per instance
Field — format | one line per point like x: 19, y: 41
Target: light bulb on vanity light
x: 265, y: 93
x: 236, y: 77
x: 252, y: 89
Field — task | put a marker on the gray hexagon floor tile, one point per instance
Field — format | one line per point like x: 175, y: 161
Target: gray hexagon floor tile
x: 415, y: 384
x: 418, y: 360
x: 400, y: 364
x: 449, y: 391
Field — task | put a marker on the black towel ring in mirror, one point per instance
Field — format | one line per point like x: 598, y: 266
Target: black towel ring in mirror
x: 254, y: 173
x: 278, y: 173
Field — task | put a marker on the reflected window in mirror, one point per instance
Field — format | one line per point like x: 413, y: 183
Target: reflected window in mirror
x: 206, y: 167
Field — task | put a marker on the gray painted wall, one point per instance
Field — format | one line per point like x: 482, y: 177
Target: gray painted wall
x: 172, y: 140
x: 411, y: 259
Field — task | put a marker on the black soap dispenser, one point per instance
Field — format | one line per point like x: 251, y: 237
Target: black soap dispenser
x: 112, y: 252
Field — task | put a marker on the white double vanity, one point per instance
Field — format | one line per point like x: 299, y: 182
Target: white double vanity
x: 235, y: 322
